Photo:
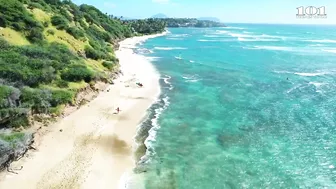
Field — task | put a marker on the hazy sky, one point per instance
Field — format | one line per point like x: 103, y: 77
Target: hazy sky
x: 235, y: 11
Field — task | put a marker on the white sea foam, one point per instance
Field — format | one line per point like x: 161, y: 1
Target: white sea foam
x: 307, y: 74
x: 178, y: 58
x: 322, y: 41
x: 180, y: 35
x: 310, y: 74
x: 283, y: 72
x: 233, y: 28
x: 152, y: 133
x: 316, y: 45
x: 255, y: 39
x: 317, y: 84
x: 212, y: 36
x: 144, y: 51
x: 191, y: 61
x: 175, y: 38
x: 221, y: 32
x: 329, y: 50
x: 249, y: 37
x: 191, y: 78
x: 206, y: 40
x: 166, y: 79
x: 169, y: 48
x: 294, y: 88
x: 279, y: 48
x: 240, y: 35
x: 151, y: 58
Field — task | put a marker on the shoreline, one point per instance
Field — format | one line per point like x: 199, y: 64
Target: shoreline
x: 93, y: 147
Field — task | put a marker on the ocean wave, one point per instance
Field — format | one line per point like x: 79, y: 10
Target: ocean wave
x: 316, y: 45
x: 163, y: 104
x: 241, y: 35
x: 310, y: 74
x: 180, y: 35
x: 329, y: 50
x: 307, y: 74
x: 175, y: 38
x: 191, y: 78
x: 212, y: 36
x: 221, y: 32
x: 322, y: 41
x: 152, y: 58
x: 255, y: 39
x: 283, y: 72
x: 317, y: 84
x: 294, y: 88
x: 143, y: 51
x: 279, y: 48
x: 169, y: 48
x: 166, y: 80
x: 207, y: 40
x: 233, y: 28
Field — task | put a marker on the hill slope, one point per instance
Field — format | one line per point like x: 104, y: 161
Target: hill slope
x: 49, y: 51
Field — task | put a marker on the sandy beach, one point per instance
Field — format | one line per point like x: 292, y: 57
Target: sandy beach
x: 93, y: 147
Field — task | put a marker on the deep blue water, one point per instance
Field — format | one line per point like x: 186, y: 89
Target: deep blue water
x: 247, y: 106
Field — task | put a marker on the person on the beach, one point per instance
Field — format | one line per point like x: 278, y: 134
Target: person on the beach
x: 118, y: 110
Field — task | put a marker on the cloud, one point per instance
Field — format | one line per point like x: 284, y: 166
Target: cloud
x: 160, y: 1
x: 109, y: 5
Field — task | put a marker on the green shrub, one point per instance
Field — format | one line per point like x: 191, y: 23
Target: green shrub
x: 59, y: 21
x: 62, y: 84
x: 46, y: 24
x: 12, y: 137
x: 35, y: 35
x: 83, y: 24
x: 53, y: 2
x: 57, y: 110
x: 66, y: 15
x: 75, y: 32
x: 92, y: 53
x: 51, y: 31
x: 5, y: 91
x: 37, y: 99
x: 109, y: 65
x: 15, y: 15
x: 99, y: 34
x: 32, y: 5
x: 77, y: 73
x: 3, y: 22
x: 60, y: 97
x: 21, y: 121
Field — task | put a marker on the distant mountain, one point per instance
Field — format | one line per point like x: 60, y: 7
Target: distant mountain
x: 210, y: 19
x: 160, y: 16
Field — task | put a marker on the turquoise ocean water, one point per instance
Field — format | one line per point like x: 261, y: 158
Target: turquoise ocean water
x: 247, y: 106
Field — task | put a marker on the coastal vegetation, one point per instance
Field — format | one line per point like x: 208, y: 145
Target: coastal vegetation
x: 190, y: 22
x: 50, y: 50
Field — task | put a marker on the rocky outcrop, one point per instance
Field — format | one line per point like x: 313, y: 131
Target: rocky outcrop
x: 13, y: 150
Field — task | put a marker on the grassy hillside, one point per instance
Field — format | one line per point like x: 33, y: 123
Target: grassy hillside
x: 49, y: 50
